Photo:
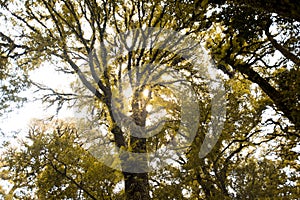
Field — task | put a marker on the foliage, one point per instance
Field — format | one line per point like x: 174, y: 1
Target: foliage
x: 52, y: 165
x: 255, y: 48
x: 260, y: 49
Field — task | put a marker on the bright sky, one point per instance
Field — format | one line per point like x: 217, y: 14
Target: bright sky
x: 19, y: 119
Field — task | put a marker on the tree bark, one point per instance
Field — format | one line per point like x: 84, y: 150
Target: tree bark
x: 289, y: 55
x: 275, y: 95
x: 134, y: 169
x: 136, y: 186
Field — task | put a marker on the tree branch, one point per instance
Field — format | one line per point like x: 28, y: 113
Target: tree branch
x: 279, y: 47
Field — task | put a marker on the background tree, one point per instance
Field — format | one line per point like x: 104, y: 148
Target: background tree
x: 53, y: 165
x: 12, y: 79
x: 261, y: 49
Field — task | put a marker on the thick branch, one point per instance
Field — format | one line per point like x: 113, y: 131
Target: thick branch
x: 282, y: 49
x: 82, y: 77
x: 268, y: 89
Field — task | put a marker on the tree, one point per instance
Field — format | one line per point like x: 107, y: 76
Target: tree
x: 51, y: 162
x: 13, y: 80
x: 250, y: 47
x: 67, y: 32
x: 77, y: 37
x: 52, y: 165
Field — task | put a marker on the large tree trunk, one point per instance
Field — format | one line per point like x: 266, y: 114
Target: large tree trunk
x: 136, y: 186
x: 135, y: 170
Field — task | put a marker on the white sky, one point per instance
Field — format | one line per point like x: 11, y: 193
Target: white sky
x: 19, y: 119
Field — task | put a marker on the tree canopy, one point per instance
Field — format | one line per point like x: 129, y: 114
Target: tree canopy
x: 142, y: 87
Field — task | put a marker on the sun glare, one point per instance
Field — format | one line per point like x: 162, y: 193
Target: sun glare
x: 146, y: 92
x: 149, y: 108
